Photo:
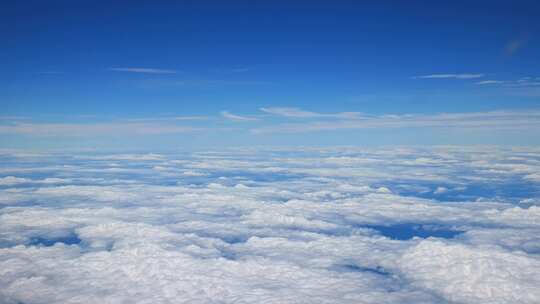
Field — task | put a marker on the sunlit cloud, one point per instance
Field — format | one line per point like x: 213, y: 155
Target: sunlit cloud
x: 449, y: 76
x: 298, y: 113
x: 490, y: 82
x: 170, y: 118
x: 94, y: 129
x: 302, y: 224
x: 510, y: 120
x: 143, y: 70
x: 516, y: 83
x: 234, y: 117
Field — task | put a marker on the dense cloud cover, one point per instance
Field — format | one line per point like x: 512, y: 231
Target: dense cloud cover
x: 334, y: 225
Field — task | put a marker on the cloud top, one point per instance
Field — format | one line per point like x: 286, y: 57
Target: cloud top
x: 271, y: 226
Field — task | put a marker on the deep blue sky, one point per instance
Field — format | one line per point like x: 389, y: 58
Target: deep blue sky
x: 103, y: 62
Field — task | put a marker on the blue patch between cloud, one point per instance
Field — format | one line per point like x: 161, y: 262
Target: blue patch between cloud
x: 408, y: 231
x: 71, y: 239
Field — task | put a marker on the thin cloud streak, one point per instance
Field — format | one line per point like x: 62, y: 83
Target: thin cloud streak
x: 234, y: 117
x: 490, y: 82
x: 508, y: 120
x: 200, y: 83
x: 500, y: 120
x: 449, y: 76
x: 298, y: 113
x: 143, y: 70
x: 7, y: 118
x: 173, y: 118
x: 519, y: 83
x: 94, y: 129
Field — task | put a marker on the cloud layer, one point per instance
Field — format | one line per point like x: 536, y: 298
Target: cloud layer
x: 289, y: 120
x: 332, y: 225
x: 502, y: 120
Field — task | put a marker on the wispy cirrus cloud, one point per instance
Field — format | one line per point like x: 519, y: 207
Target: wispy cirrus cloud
x: 143, y: 70
x: 7, y: 118
x: 190, y: 118
x: 94, y: 129
x: 171, y: 118
x: 521, y: 82
x: 301, y: 121
x: 298, y: 113
x: 484, y: 82
x: 510, y: 120
x: 450, y: 76
x: 234, y: 117
x: 201, y: 83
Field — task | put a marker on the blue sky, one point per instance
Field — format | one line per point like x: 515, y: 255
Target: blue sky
x: 192, y: 73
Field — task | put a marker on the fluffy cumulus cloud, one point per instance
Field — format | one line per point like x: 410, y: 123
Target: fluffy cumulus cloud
x: 317, y: 225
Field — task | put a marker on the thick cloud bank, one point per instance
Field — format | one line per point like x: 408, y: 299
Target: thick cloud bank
x: 340, y: 225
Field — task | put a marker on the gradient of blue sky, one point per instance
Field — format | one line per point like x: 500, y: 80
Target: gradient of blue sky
x: 203, y: 72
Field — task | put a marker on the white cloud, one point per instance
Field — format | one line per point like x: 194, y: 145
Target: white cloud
x: 234, y: 117
x: 172, y: 118
x: 440, y: 190
x: 126, y: 157
x: 190, y: 118
x: 97, y: 128
x: 193, y: 173
x: 465, y: 274
x: 525, y: 82
x: 450, y: 76
x: 298, y: 113
x: 509, y: 120
x: 11, y: 118
x: 143, y: 70
x: 12, y: 180
x: 269, y: 226
x: 201, y: 83
x: 533, y: 177
x: 490, y: 82
x: 304, y: 121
